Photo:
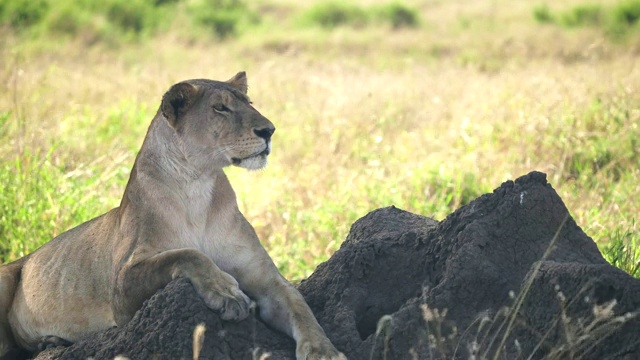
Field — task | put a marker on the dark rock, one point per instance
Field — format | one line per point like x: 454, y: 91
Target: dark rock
x: 510, y: 274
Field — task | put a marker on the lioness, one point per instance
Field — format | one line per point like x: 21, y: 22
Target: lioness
x: 178, y: 218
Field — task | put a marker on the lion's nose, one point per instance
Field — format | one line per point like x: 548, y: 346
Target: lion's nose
x: 265, y: 133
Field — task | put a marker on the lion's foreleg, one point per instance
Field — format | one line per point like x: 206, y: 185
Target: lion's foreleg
x: 139, y: 280
x: 285, y: 309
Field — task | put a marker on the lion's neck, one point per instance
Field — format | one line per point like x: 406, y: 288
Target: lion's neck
x: 163, y: 149
x: 163, y: 171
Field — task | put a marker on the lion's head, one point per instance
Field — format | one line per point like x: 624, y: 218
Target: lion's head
x: 216, y: 124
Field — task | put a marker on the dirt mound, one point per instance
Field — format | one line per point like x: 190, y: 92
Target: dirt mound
x: 451, y: 289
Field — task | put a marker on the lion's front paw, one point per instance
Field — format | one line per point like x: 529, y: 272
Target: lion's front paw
x: 236, y: 307
x: 318, y: 350
x: 228, y: 300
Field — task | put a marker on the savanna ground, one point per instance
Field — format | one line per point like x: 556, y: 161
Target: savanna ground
x: 424, y: 105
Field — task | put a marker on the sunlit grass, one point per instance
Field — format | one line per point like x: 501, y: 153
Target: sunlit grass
x: 52, y: 199
x: 425, y: 119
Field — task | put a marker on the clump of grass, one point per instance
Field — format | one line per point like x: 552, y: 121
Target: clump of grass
x: 580, y: 334
x: 334, y: 14
x: 623, y: 250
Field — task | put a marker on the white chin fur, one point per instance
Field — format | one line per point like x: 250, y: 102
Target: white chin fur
x: 253, y: 163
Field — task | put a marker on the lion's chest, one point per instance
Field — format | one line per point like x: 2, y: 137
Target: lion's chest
x: 205, y: 221
x: 193, y: 205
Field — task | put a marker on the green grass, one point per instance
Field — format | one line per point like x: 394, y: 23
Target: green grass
x: 623, y: 249
x: 51, y: 197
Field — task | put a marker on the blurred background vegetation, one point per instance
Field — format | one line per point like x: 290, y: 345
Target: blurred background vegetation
x: 422, y: 104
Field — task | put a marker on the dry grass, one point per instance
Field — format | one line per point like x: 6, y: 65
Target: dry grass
x: 425, y: 119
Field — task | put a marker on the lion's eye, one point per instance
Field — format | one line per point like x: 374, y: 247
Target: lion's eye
x: 221, y: 108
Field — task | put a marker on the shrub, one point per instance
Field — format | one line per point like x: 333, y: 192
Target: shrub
x: 399, y: 15
x: 333, y: 14
x: 582, y: 15
x: 623, y: 250
x: 627, y: 13
x: 542, y: 14
x: 624, y: 16
x: 69, y: 19
x: 22, y: 14
x: 223, y: 17
x: 164, y: 2
x: 133, y: 16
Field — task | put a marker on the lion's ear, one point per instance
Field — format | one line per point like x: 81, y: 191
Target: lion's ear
x: 239, y: 81
x: 177, y: 101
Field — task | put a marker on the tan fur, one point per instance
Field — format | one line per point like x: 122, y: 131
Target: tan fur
x: 178, y: 218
